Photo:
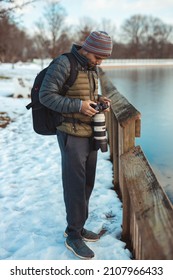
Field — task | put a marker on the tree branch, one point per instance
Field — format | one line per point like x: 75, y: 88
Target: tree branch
x: 12, y: 6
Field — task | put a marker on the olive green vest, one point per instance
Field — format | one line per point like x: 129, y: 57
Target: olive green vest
x: 85, y: 87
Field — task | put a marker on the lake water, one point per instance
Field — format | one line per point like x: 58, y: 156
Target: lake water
x: 150, y: 90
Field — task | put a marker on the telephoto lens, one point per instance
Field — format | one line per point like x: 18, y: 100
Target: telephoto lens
x: 99, y: 128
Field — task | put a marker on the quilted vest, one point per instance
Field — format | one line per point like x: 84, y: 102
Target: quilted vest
x: 85, y: 87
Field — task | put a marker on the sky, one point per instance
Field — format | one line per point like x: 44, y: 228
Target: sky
x: 115, y: 10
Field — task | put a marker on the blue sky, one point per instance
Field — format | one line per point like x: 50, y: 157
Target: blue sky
x: 115, y: 10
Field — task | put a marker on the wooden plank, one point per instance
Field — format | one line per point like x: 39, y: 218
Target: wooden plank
x: 152, y: 209
x: 115, y: 151
x: 128, y: 141
x: 138, y: 127
x: 120, y: 152
x: 129, y: 136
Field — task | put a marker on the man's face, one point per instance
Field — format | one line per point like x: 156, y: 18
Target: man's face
x: 94, y: 59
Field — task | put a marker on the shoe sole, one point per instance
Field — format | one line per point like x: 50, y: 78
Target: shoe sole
x: 81, y: 257
x: 85, y: 239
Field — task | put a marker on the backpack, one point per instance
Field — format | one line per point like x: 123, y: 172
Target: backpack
x: 44, y: 119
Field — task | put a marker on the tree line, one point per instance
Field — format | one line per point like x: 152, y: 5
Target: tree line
x: 139, y: 36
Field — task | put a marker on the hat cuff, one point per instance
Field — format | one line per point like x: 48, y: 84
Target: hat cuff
x: 97, y: 51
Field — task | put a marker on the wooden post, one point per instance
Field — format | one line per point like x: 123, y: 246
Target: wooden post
x: 127, y: 135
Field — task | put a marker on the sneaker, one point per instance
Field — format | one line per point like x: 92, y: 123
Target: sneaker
x: 87, y: 235
x: 79, y: 248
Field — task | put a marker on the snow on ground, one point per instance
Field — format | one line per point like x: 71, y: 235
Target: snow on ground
x: 32, y: 213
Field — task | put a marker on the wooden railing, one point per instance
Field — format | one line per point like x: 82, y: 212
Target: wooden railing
x: 147, y: 212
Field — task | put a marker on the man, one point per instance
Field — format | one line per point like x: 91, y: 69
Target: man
x: 76, y: 137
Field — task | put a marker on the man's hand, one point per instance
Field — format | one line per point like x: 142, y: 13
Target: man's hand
x: 86, y: 109
x: 105, y: 100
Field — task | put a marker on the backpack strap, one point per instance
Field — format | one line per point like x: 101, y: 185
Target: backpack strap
x: 71, y: 79
x: 73, y: 73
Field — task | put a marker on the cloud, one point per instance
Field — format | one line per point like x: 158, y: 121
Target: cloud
x: 147, y: 6
x: 157, y: 8
x: 150, y: 6
x: 115, y: 10
x: 97, y: 5
x: 123, y: 9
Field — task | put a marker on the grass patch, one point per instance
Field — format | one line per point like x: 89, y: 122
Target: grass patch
x: 4, y: 119
x: 4, y: 78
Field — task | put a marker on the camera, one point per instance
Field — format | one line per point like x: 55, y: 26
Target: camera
x: 100, y: 106
x: 99, y: 127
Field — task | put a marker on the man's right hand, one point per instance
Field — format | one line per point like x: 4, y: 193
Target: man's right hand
x: 87, y: 110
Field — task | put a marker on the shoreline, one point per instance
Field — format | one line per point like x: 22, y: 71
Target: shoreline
x: 126, y: 63
x: 111, y: 66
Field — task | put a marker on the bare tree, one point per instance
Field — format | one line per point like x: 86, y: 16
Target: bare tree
x: 157, y: 38
x: 64, y: 43
x: 41, y: 42
x: 134, y: 31
x: 9, y: 6
x: 107, y: 26
x: 14, y: 42
x: 83, y: 29
x: 55, y: 15
x: 52, y: 37
x: 86, y: 25
x: 146, y: 36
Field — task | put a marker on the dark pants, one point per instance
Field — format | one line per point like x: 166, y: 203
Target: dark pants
x: 78, y: 175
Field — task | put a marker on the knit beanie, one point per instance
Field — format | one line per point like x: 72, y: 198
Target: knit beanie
x: 98, y: 43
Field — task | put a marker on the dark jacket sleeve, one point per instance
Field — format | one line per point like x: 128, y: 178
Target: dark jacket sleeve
x: 49, y: 93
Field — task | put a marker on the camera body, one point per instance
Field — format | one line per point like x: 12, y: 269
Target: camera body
x: 99, y: 127
x: 100, y: 106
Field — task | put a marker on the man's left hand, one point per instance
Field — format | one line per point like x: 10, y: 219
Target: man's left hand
x: 105, y: 100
